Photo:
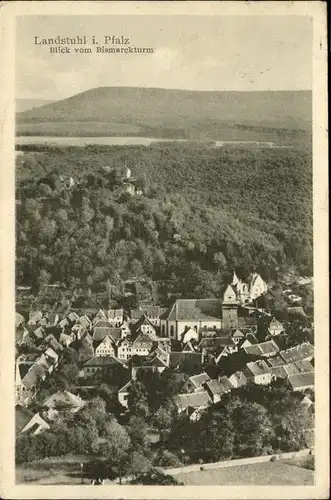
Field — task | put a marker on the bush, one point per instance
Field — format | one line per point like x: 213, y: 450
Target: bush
x: 167, y: 459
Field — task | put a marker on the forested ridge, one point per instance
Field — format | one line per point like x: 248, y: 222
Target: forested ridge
x: 281, y: 116
x: 203, y: 212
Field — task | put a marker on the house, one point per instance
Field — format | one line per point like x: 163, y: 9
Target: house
x: 50, y: 341
x: 301, y: 381
x: 218, y: 346
x: 238, y: 379
x: 211, y: 344
x: 237, y: 336
x: 307, y: 404
x: 164, y: 343
x: 135, y: 315
x: 197, y: 381
x: 264, y: 349
x: 101, y: 330
x: 35, y: 317
x: 99, y: 364
x: 304, y: 366
x: 53, y: 319
x: 125, y: 329
x: 23, y: 393
x: 190, y: 313
x: 161, y: 353
x: 154, y: 363
x: 288, y: 370
x: 279, y: 372
x: 115, y: 317
x: 257, y: 286
x: 142, y: 345
x: 118, y: 333
x: 216, y: 388
x: 151, y: 312
x: 106, y: 347
x: 301, y: 352
x: 66, y: 339
x: 39, y: 333
x: 73, y: 317
x: 247, y: 293
x: 188, y: 347
x: 27, y: 387
x: 51, y: 356
x: 192, y: 404
x: 85, y: 322
x: 28, y: 422
x: 123, y: 394
x: 190, y: 334
x: 47, y: 363
x: 19, y: 320
x: 186, y: 362
x: 275, y: 327
x: 296, y: 311
x: 124, y: 349
x: 129, y: 187
x: 100, y: 316
x: 85, y: 348
x: 145, y: 327
x: 276, y: 361
x: 225, y: 348
x: 246, y: 343
x: 64, y: 323
x: 291, y: 369
x: 258, y: 372
x: 250, y: 337
x: 61, y: 400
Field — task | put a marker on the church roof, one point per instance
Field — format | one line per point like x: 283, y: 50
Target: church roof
x: 194, y: 310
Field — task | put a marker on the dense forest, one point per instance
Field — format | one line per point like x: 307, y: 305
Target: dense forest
x: 203, y: 211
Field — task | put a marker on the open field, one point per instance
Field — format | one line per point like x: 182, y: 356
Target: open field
x: 56, y: 470
x: 270, y: 473
x: 66, y: 470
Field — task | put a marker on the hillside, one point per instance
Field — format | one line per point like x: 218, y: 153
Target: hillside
x: 172, y: 113
x: 204, y: 211
x: 27, y: 104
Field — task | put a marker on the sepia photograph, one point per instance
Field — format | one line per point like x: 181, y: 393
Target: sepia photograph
x: 164, y: 313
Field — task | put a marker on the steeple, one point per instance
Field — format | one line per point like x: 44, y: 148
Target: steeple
x: 229, y: 296
x: 235, y: 279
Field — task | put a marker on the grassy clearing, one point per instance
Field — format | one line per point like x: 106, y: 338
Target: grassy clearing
x: 55, y: 470
x: 304, y: 462
x: 276, y: 473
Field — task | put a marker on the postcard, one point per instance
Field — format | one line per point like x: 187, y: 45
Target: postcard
x: 164, y: 262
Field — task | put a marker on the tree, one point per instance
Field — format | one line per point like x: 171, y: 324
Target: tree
x: 219, y: 260
x: 117, y: 440
x: 137, y: 464
x: 255, y: 428
x: 137, y: 400
x: 165, y: 458
x: 215, y: 436
x: 162, y: 418
x: 155, y: 477
x: 137, y: 430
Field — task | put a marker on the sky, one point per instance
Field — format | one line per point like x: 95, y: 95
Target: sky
x: 190, y: 52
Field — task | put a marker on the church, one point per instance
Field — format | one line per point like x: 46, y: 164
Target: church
x: 199, y: 314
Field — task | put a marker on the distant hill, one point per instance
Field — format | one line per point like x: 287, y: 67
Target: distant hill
x: 170, y: 113
x: 27, y: 104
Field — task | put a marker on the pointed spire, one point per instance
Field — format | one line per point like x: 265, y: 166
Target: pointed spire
x: 235, y: 279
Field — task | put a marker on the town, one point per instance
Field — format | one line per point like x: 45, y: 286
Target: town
x: 155, y: 374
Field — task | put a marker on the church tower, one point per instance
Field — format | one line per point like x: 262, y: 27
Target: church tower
x: 229, y: 308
